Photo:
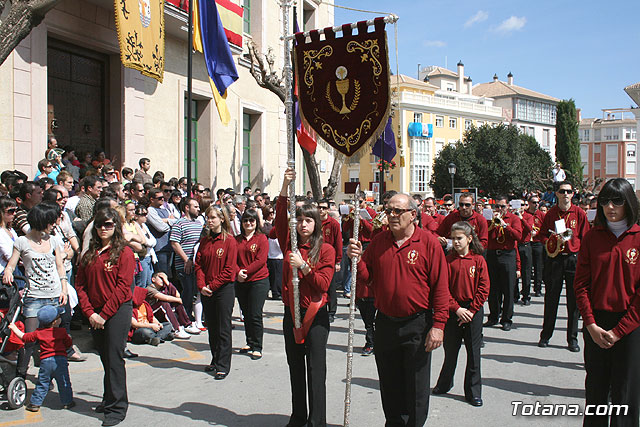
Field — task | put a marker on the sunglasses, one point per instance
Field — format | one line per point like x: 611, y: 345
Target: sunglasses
x: 198, y: 191
x: 167, y: 191
x: 396, y: 211
x: 466, y: 205
x: 617, y: 201
x: 502, y: 206
x: 159, y: 198
x: 534, y: 202
x: 250, y: 220
x: 11, y: 211
x: 324, y: 208
x: 48, y: 166
x: 448, y: 204
x: 565, y: 191
x: 107, y: 226
x: 142, y: 213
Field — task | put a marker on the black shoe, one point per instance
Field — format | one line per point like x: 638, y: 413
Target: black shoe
x: 170, y: 337
x: 99, y: 409
x: 490, y: 323
x: 537, y: 294
x: 220, y: 375
x: 69, y: 405
x: 526, y: 302
x: 367, y: 350
x: 543, y: 343
x: 32, y: 408
x: 244, y: 350
x: 332, y: 318
x: 475, y: 401
x: 255, y: 355
x: 209, y: 368
x: 111, y: 422
x: 574, y: 348
x: 128, y: 354
x: 438, y: 391
x: 506, y: 327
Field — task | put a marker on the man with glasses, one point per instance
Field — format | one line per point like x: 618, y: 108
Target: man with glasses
x: 182, y: 186
x: 448, y: 204
x: 524, y: 250
x: 198, y: 191
x: 504, y: 233
x: 537, y: 250
x: 332, y: 236
x: 407, y: 270
x: 167, y: 189
x: 562, y: 267
x: 464, y: 212
x: 431, y: 210
x: 185, y: 234
x: 160, y: 221
x: 137, y: 191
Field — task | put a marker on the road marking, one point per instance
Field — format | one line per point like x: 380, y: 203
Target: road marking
x: 29, y: 418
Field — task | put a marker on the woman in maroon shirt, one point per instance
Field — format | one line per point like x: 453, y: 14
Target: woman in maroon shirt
x: 252, y: 283
x: 104, y: 286
x: 306, y: 347
x: 215, y: 272
x: 607, y: 289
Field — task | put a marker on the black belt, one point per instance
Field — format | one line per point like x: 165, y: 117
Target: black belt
x: 503, y: 251
x: 403, y: 319
x: 524, y: 244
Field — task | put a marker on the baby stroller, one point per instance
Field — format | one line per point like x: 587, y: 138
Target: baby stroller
x: 12, y: 385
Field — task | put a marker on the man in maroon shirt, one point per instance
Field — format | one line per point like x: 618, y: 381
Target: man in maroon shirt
x: 504, y: 233
x: 331, y: 234
x: 562, y: 267
x: 407, y: 271
x: 430, y: 209
x: 524, y: 249
x: 464, y: 212
x: 537, y: 249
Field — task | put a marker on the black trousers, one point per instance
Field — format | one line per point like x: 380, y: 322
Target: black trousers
x: 333, y: 293
x: 537, y: 264
x: 111, y: 342
x: 560, y: 269
x: 367, y: 309
x: 502, y: 274
x: 307, y: 370
x: 613, y: 375
x: 251, y: 297
x: 217, y: 313
x: 275, y: 277
x: 453, y: 335
x: 404, y: 368
x: 524, y: 250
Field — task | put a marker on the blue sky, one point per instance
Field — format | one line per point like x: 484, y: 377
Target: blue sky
x: 585, y: 50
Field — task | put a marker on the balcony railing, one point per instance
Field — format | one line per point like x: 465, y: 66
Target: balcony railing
x: 452, y: 104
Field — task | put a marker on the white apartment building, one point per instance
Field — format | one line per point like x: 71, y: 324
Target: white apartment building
x: 634, y: 93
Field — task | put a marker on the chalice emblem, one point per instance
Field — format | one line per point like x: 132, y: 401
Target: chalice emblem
x: 343, y: 87
x: 343, y: 84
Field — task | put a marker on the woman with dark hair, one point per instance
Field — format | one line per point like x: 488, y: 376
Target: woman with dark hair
x: 215, y: 272
x: 252, y: 283
x: 8, y: 236
x: 42, y: 258
x: 143, y: 277
x: 607, y: 289
x: 306, y: 347
x: 104, y: 284
x: 174, y: 203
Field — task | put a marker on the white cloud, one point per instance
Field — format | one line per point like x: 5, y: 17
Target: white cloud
x: 434, y: 43
x: 480, y: 16
x: 511, y: 24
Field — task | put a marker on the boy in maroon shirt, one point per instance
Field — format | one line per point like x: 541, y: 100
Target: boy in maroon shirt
x: 54, y: 342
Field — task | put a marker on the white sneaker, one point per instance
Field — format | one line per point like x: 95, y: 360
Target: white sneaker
x: 192, y: 330
x: 182, y: 335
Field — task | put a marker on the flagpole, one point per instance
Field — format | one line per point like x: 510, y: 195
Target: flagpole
x: 189, y: 93
x: 384, y: 142
x: 288, y: 105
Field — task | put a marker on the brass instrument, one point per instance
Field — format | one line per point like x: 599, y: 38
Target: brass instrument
x: 496, y: 223
x: 556, y: 242
x: 379, y: 220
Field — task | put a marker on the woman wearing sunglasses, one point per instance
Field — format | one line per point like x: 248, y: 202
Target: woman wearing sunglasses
x: 42, y: 257
x: 104, y: 283
x: 607, y: 289
x: 8, y: 236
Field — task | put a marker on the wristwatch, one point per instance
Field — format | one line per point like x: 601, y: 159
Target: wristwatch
x: 304, y: 266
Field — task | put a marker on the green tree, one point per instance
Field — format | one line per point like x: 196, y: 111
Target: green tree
x: 493, y: 159
x: 567, y: 142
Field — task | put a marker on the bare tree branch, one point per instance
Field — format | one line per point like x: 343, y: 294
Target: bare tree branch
x: 21, y: 18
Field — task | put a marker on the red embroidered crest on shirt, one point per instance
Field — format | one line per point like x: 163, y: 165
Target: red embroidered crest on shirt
x: 108, y: 266
x: 327, y: 231
x: 412, y: 257
x: 632, y: 256
x: 220, y: 252
x: 253, y: 248
x: 472, y: 271
x: 573, y: 223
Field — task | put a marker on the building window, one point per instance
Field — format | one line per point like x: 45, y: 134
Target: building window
x: 479, y: 123
x: 546, y: 140
x: 354, y: 175
x: 453, y: 123
x: 245, y: 168
x: 420, y: 164
x: 531, y: 131
x: 596, y: 167
x: 596, y: 148
x: 194, y: 139
x: 612, y: 159
x: 586, y: 135
x: 246, y: 16
x: 631, y: 168
x: 468, y: 124
x: 611, y: 134
x: 632, y: 181
x: 417, y: 117
x: 584, y: 157
x: 629, y: 134
x: 439, y: 146
x: 451, y: 87
x: 439, y: 121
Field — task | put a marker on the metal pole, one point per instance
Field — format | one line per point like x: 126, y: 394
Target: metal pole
x: 288, y: 106
x: 189, y: 94
x: 452, y: 188
x: 352, y: 314
x: 382, y: 162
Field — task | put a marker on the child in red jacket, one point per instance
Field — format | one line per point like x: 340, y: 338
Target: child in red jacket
x: 54, y: 342
x: 469, y: 289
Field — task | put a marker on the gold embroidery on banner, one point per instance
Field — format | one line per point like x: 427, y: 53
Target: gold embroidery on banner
x: 370, y: 53
x: 310, y: 60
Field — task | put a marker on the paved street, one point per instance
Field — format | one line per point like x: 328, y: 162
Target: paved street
x: 167, y: 384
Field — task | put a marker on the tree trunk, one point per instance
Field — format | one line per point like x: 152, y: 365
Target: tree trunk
x: 314, y: 174
x: 334, y: 178
x: 21, y: 18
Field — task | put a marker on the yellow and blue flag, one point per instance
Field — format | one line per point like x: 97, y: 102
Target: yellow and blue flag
x: 217, y: 55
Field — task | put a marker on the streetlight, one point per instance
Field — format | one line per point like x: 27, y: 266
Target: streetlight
x: 452, y: 172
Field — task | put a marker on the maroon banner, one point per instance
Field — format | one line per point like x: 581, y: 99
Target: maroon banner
x: 344, y: 84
